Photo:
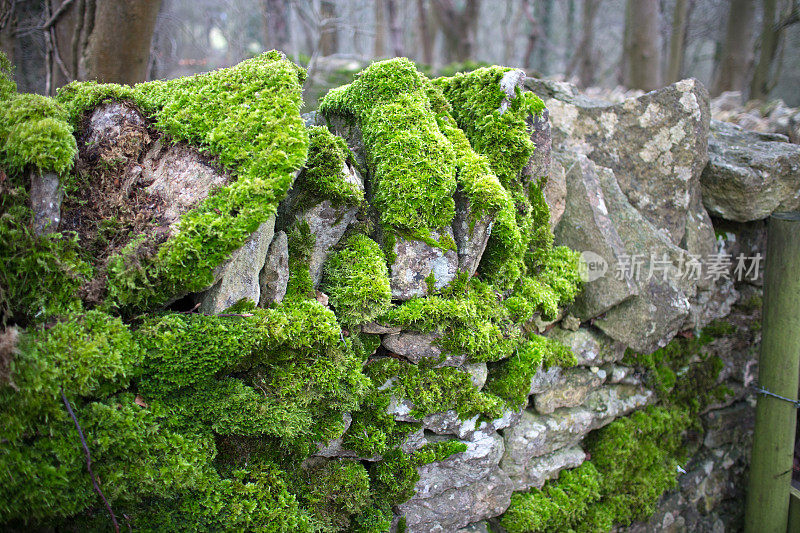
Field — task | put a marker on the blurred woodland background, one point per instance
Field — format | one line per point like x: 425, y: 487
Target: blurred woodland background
x: 752, y: 46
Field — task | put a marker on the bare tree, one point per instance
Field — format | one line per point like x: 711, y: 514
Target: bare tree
x: 677, y: 40
x: 645, y: 51
x: 458, y: 27
x: 585, y: 58
x: 8, y: 26
x: 425, y: 32
x: 380, y: 29
x: 737, y: 55
x: 276, y: 26
x: 329, y: 32
x: 534, y: 33
x: 773, y: 26
x: 546, y: 33
x: 395, y: 30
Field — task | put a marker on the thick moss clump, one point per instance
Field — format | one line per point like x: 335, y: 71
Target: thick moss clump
x: 246, y: 116
x: 410, y: 161
x: 357, y: 281
x: 322, y: 177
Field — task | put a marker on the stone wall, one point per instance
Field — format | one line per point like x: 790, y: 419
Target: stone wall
x: 647, y: 189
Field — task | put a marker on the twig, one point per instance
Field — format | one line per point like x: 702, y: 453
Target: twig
x: 89, y: 460
x: 60, y: 11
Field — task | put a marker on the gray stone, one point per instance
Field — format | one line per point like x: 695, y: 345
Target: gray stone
x: 115, y: 131
x: 380, y: 329
x: 587, y: 227
x: 418, y: 346
x: 181, y: 177
x: 543, y: 379
x: 538, y: 166
x: 477, y: 527
x: 536, y: 434
x: 346, y: 128
x: 46, y: 195
x: 455, y: 508
x: 478, y: 372
x: 328, y: 225
x: 471, y: 235
x: 416, y: 260
x: 540, y: 469
x: 239, y: 276
x: 590, y: 346
x: 274, y: 277
x: 649, y: 320
x: 478, y: 461
x: 569, y: 391
x: 555, y: 192
x: 656, y: 143
x: 749, y: 175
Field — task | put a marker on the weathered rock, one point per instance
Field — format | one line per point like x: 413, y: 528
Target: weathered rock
x: 180, y: 176
x: 555, y: 192
x: 536, y: 434
x: 586, y: 226
x: 590, y: 346
x: 347, y: 129
x: 657, y: 143
x: 455, y: 508
x: 478, y: 372
x: 274, y: 277
x: 569, y: 391
x: 418, y: 346
x: 239, y: 276
x: 750, y: 175
x: 115, y: 131
x: 471, y: 235
x: 649, y: 320
x: 477, y: 527
x: 728, y: 425
x: 415, y: 261
x: 380, y: 329
x: 545, y: 467
x: 477, y: 462
x: 543, y: 379
x: 46, y: 195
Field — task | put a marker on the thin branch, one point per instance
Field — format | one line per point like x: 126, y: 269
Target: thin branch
x: 57, y: 56
x: 89, y: 460
x: 57, y: 15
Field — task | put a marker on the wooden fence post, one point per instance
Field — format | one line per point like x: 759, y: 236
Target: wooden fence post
x: 773, y: 443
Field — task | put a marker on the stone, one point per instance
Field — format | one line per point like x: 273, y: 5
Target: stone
x: 415, y: 261
x: 537, y: 434
x: 587, y: 227
x: 543, y: 379
x: 478, y: 461
x: 478, y: 372
x: 538, y: 166
x: 418, y: 346
x: 181, y: 177
x: 650, y: 319
x: 328, y: 225
x: 590, y: 346
x: 115, y: 131
x: 477, y: 527
x: 656, y: 143
x: 471, y: 235
x: 374, y: 328
x: 750, y: 175
x: 239, y: 276
x: 46, y: 195
x: 540, y: 469
x: 555, y: 192
x: 455, y: 508
x: 569, y: 391
x: 274, y: 277
x: 347, y: 129
x: 730, y: 425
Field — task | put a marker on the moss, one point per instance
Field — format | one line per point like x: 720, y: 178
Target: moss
x: 337, y: 491
x: 373, y: 431
x: 409, y: 159
x: 328, y: 157
x: 247, y: 117
x: 433, y: 390
x: 7, y: 84
x: 633, y: 461
x: 511, y: 378
x: 39, y: 274
x: 357, y: 281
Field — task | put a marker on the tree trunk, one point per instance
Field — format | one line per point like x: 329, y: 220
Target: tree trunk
x: 395, y: 30
x: 275, y: 25
x: 645, y: 58
x: 677, y: 43
x: 425, y: 33
x: 624, y: 75
x: 8, y: 26
x: 569, y: 49
x: 773, y: 26
x: 458, y: 28
x: 329, y: 35
x: 380, y: 29
x: 534, y: 32
x: 737, y: 55
x: 546, y: 34
x: 114, y: 54
x: 585, y: 57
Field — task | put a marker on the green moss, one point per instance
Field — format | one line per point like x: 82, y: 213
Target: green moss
x: 511, y: 378
x: 337, y: 491
x: 247, y: 117
x: 633, y: 461
x: 357, y: 281
x: 34, y: 134
x: 409, y: 160
x: 39, y: 274
x: 323, y: 176
x: 7, y: 84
